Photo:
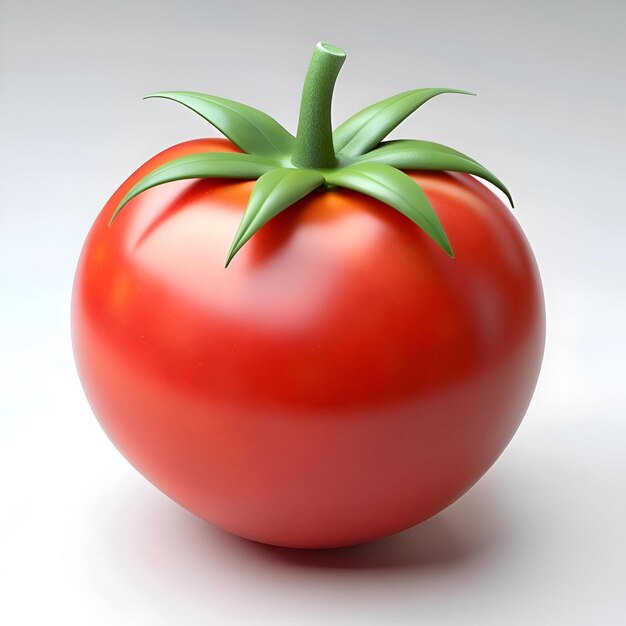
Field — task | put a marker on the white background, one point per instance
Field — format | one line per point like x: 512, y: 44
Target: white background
x: 540, y: 540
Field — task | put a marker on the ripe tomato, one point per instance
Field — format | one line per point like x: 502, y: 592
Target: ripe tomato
x: 341, y: 380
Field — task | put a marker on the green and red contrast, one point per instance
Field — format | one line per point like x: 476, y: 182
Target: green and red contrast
x: 344, y: 378
x: 289, y: 168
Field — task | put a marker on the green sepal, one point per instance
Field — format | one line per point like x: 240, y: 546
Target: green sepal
x: 355, y: 158
x: 413, y: 154
x: 398, y: 190
x: 273, y: 193
x: 249, y: 129
x: 367, y: 128
x: 201, y: 165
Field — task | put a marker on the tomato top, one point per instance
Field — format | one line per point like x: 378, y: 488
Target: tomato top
x: 288, y: 168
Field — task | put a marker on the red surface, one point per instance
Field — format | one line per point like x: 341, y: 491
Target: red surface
x: 342, y: 380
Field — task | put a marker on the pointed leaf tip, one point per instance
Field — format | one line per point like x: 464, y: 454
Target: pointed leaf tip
x: 398, y: 190
x: 367, y: 128
x: 413, y: 154
x: 248, y: 128
x: 199, y: 165
x: 273, y: 193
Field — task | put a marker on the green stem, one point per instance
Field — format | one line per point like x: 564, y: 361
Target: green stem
x: 314, y: 141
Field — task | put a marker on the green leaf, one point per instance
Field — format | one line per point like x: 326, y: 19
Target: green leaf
x: 274, y: 192
x: 395, y: 188
x: 201, y: 165
x: 367, y: 128
x: 409, y: 154
x: 249, y: 129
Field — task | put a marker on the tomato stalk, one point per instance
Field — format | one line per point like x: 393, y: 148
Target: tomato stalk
x: 314, y: 140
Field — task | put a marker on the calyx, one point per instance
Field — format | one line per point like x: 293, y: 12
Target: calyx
x: 288, y: 168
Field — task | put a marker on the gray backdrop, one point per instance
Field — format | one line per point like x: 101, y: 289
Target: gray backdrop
x: 83, y: 538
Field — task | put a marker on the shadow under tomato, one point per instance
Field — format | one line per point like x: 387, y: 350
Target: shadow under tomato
x: 145, y: 547
x: 458, y: 534
x: 466, y: 530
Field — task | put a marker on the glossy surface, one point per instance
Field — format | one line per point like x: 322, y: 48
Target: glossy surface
x: 342, y: 380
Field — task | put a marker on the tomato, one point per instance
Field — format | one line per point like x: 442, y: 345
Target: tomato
x: 342, y: 380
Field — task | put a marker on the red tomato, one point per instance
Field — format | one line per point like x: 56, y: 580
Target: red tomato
x: 342, y: 380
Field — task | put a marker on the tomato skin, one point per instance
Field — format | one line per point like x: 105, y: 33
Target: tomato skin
x: 342, y: 380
